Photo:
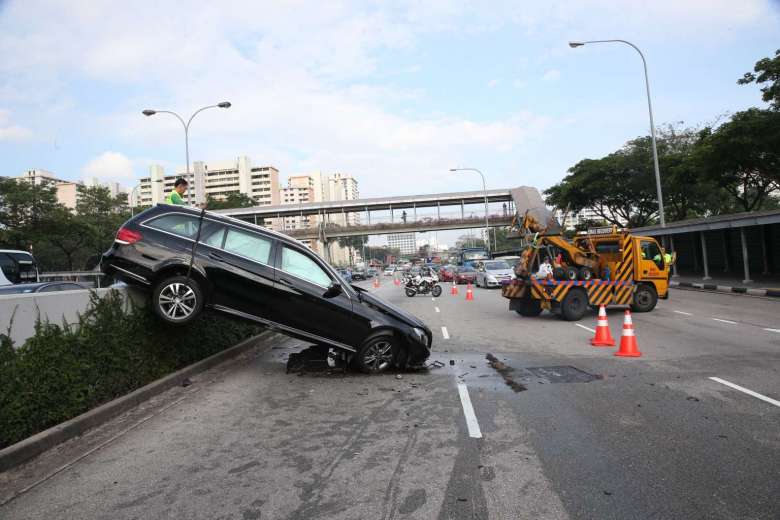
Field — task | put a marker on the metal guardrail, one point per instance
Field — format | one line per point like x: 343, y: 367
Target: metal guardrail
x: 73, y: 276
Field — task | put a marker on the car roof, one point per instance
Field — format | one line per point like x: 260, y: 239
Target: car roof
x: 170, y: 208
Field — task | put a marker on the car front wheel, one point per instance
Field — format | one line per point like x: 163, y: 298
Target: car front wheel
x: 177, y: 300
x: 377, y: 354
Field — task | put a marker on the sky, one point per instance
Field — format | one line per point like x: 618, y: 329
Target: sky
x: 394, y: 93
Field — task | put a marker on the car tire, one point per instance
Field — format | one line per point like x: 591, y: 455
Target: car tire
x: 574, y: 305
x: 645, y: 298
x: 436, y: 291
x: 410, y: 292
x: 529, y: 308
x: 377, y: 354
x: 177, y: 300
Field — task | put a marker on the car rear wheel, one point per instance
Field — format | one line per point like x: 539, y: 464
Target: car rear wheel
x: 177, y: 300
x: 377, y: 354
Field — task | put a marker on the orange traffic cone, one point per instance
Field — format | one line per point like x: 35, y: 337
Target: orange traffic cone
x: 454, y: 290
x: 376, y: 282
x: 396, y: 281
x: 469, y: 293
x: 603, y: 337
x: 628, y: 345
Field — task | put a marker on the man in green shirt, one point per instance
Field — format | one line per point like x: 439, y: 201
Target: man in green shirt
x: 175, y: 196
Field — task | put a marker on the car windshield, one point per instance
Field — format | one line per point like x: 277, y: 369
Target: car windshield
x: 466, y: 269
x: 496, y: 266
x: 474, y: 255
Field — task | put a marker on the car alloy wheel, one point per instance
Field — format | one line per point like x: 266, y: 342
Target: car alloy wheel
x: 177, y: 301
x: 377, y: 354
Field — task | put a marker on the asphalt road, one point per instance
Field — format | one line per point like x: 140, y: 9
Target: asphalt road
x: 587, y: 436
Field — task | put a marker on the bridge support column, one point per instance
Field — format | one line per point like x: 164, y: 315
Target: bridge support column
x: 704, y: 256
x: 438, y: 211
x: 726, y: 263
x: 745, y: 256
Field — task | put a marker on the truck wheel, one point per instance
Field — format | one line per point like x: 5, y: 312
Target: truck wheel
x: 529, y: 308
x: 574, y: 305
x: 572, y: 273
x: 177, y: 300
x: 586, y: 273
x: 645, y: 298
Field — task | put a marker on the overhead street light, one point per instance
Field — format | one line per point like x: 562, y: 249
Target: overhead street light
x: 484, y: 190
x: 149, y: 112
x: 574, y: 45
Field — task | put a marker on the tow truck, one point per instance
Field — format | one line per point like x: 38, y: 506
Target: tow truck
x: 604, y: 266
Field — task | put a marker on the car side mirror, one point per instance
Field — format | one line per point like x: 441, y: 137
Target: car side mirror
x: 334, y: 289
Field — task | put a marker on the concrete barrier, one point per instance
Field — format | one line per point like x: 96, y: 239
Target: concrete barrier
x: 19, y: 312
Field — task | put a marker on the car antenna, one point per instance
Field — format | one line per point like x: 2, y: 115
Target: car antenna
x: 195, y: 244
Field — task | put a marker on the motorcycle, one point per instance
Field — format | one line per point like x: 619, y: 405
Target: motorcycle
x: 422, y: 284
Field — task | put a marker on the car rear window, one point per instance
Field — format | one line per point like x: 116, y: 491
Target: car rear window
x: 248, y: 245
x: 177, y: 224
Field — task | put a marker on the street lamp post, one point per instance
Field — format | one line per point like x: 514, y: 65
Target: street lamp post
x: 484, y: 190
x: 574, y: 45
x: 149, y: 112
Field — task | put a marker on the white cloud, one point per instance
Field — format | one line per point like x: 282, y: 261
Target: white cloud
x: 493, y: 83
x: 518, y: 83
x: 11, y: 132
x: 552, y: 75
x: 109, y: 165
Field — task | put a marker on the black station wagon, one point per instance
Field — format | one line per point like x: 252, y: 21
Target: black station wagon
x: 190, y: 260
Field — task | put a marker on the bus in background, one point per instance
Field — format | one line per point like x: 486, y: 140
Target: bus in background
x: 470, y: 255
x: 17, y: 267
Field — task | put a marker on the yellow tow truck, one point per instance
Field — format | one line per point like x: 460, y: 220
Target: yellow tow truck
x: 605, y: 266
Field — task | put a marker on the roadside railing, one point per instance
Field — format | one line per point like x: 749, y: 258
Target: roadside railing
x: 95, y: 278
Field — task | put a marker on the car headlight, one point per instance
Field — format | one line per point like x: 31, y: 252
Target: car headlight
x: 420, y: 335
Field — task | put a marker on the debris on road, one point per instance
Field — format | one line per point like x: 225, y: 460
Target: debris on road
x: 316, y: 359
x: 435, y: 364
x: 399, y: 376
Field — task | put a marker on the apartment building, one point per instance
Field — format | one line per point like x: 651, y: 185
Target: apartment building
x: 67, y: 191
x: 217, y: 179
x: 404, y: 242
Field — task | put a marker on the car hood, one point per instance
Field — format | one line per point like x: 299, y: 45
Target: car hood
x: 499, y: 272
x: 388, y: 308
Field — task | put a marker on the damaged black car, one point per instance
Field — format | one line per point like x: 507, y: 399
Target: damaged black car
x: 191, y: 259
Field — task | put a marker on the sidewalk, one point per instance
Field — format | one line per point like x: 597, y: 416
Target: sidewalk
x: 761, y: 287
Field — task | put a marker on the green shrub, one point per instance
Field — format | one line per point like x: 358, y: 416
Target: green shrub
x: 63, y: 371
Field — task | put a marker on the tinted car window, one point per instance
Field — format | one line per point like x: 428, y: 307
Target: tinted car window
x: 214, y: 238
x: 51, y: 288
x: 248, y: 245
x: 8, y: 265
x: 495, y: 266
x: 304, y: 267
x: 466, y: 269
x: 178, y: 224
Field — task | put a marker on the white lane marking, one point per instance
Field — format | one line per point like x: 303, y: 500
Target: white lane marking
x: 437, y: 310
x: 433, y: 299
x: 445, y: 333
x: 468, y: 411
x: 725, y: 321
x: 586, y: 328
x: 773, y: 330
x: 747, y: 391
x: 684, y: 313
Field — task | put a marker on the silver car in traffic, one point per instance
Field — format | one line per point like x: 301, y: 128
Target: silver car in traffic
x: 491, y: 273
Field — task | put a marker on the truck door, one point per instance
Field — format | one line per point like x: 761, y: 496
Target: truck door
x: 651, y: 261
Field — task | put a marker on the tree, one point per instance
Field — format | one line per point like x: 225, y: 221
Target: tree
x: 353, y: 243
x: 25, y: 211
x: 743, y: 156
x: 233, y: 200
x: 766, y: 70
x: 70, y: 235
x: 100, y: 215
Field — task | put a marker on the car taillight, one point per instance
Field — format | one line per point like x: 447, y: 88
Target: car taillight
x: 128, y: 236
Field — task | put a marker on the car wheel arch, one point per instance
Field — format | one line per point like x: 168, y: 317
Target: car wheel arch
x: 179, y: 269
